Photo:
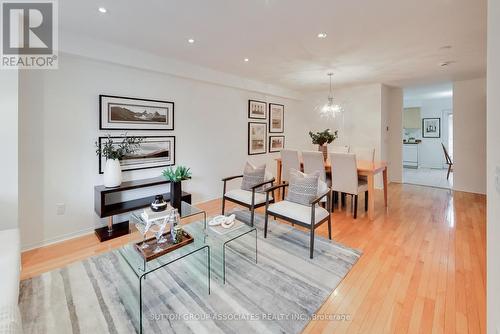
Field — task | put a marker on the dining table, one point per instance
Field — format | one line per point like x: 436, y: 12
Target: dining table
x: 365, y: 168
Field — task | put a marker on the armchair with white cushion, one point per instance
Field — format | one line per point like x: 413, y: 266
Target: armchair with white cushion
x: 309, y: 216
x: 251, y: 199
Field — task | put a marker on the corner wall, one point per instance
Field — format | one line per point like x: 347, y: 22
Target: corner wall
x: 469, y: 140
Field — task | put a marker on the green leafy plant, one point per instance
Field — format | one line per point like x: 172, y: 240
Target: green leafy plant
x: 178, y: 174
x: 117, y: 150
x: 323, y: 137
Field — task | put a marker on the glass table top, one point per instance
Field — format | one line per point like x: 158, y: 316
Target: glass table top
x: 202, y: 233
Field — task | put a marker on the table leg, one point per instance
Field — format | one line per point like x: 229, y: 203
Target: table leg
x: 385, y: 186
x: 371, y: 197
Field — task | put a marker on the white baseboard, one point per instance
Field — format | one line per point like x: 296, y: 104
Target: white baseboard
x: 57, y: 239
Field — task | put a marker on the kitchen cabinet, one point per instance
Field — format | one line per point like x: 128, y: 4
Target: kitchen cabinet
x: 412, y: 118
x: 410, y: 155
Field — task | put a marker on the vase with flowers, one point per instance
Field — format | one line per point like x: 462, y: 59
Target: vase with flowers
x: 322, y: 139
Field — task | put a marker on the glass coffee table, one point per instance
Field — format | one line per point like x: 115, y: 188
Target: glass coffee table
x: 140, y: 268
x: 214, y: 244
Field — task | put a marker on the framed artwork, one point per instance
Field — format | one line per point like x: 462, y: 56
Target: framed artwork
x: 127, y: 113
x: 431, y: 127
x: 154, y: 152
x: 276, y: 118
x: 276, y: 143
x: 257, y: 135
x: 257, y: 109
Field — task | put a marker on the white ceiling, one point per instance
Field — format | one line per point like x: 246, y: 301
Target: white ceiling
x: 397, y: 42
x: 428, y: 92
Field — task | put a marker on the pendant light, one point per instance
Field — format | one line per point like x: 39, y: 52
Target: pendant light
x: 331, y: 109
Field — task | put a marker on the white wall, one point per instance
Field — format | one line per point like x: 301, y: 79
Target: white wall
x: 60, y: 123
x: 493, y: 144
x: 469, y: 141
x: 392, y: 111
x: 361, y: 124
x: 430, y: 150
x: 9, y: 140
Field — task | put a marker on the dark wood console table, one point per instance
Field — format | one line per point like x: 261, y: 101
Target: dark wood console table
x: 109, y: 210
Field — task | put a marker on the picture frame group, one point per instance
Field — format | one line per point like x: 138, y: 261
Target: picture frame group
x: 272, y: 117
x: 139, y: 114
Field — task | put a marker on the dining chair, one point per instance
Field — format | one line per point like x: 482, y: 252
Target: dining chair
x: 449, y: 162
x: 315, y: 162
x: 289, y: 160
x: 345, y: 179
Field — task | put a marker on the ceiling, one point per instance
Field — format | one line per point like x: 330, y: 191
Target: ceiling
x: 395, y: 42
x: 429, y: 92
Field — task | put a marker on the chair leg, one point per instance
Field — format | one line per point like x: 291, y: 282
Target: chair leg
x: 449, y: 170
x: 366, y: 200
x: 252, y: 215
x: 355, y: 206
x: 311, y: 251
x: 330, y: 227
x: 223, y: 204
x: 342, y: 200
x: 265, y: 224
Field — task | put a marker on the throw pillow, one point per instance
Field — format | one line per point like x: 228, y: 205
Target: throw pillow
x: 252, y: 176
x: 303, y: 188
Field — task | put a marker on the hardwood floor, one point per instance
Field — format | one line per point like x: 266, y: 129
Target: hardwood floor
x: 423, y: 268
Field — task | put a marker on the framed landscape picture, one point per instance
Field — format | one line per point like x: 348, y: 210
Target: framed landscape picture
x: 276, y: 118
x: 126, y: 113
x: 257, y: 135
x: 276, y: 143
x: 257, y: 109
x: 154, y: 152
x: 431, y: 127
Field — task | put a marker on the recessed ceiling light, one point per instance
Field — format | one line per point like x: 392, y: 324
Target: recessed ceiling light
x: 190, y: 41
x: 322, y: 35
x: 246, y: 60
x: 102, y: 10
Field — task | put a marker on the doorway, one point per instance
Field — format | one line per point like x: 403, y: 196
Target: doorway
x: 427, y: 133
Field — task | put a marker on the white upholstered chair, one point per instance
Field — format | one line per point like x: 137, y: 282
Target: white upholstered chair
x: 289, y: 160
x: 309, y: 217
x: 345, y: 178
x: 249, y: 199
x: 314, y: 161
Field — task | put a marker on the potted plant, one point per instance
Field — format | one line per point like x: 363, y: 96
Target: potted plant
x: 176, y: 176
x: 114, y: 152
x: 322, y: 139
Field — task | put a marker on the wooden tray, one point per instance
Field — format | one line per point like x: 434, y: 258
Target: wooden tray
x: 168, y: 246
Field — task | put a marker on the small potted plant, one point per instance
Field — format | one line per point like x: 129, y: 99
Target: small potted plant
x: 114, y: 152
x: 176, y: 176
x: 322, y: 139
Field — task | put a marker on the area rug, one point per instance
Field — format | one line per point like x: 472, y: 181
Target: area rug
x: 279, y: 294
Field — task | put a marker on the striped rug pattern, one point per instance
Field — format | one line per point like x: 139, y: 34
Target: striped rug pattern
x: 277, y: 295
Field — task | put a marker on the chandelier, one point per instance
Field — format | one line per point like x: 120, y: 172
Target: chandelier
x: 331, y: 109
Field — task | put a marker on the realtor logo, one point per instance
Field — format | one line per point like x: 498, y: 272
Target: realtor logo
x: 29, y: 34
